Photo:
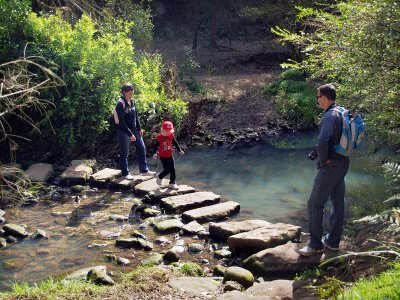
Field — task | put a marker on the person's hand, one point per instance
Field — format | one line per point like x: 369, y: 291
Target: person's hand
x: 132, y: 138
x: 181, y: 152
x: 140, y: 132
x: 155, y: 156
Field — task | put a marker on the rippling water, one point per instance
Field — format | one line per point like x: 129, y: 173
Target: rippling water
x: 269, y: 182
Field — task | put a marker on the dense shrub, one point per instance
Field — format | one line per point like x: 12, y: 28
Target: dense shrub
x: 294, y: 97
x: 93, y: 65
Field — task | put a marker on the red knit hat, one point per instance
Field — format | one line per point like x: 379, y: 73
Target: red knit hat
x: 168, y: 126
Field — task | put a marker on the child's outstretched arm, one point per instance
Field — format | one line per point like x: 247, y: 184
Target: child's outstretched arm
x: 181, y: 152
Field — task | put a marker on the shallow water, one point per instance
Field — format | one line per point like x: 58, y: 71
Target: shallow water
x: 269, y: 182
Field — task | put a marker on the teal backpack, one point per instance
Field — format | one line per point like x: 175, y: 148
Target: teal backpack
x: 353, y: 132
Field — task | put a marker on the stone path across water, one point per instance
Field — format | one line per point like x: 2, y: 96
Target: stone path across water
x: 201, y: 213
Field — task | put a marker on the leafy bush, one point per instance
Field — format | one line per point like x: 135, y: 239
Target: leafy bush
x: 294, y: 97
x: 14, y: 14
x: 93, y: 65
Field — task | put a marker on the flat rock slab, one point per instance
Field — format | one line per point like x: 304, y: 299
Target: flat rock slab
x: 212, y: 213
x: 195, y: 286
x: 236, y: 295
x: 157, y: 192
x: 76, y: 175
x: 182, y: 203
x: 124, y: 184
x: 15, y: 231
x: 104, y: 177
x: 166, y: 192
x: 282, y: 289
x: 222, y: 231
x: 262, y: 238
x: 284, y: 259
x: 39, y: 172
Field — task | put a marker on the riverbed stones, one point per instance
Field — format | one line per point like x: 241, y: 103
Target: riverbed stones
x: 40, y: 234
x: 171, y: 256
x: 264, y: 237
x: 3, y: 242
x: 15, y: 231
x: 122, y: 261
x: 212, y: 213
x: 77, y: 189
x: 283, y: 259
x: 2, y: 212
x: 99, y: 277
x: 82, y: 273
x: 136, y: 243
x: 219, y: 271
x: 78, y: 172
x: 192, y: 228
x: 154, y: 260
x: 223, y: 230
x: 39, y: 172
x: 168, y: 226
x: 195, y: 248
x: 181, y: 203
x: 238, y: 274
x: 195, y: 286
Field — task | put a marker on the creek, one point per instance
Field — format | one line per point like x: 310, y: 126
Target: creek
x: 271, y: 181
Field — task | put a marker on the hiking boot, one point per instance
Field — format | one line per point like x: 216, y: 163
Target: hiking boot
x: 148, y: 173
x: 158, y: 180
x: 328, y: 246
x: 173, y: 186
x: 128, y: 177
x: 308, y: 251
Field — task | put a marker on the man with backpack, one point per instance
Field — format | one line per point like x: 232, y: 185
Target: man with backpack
x: 329, y: 181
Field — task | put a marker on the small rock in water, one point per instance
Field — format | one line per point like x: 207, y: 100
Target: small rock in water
x: 123, y: 261
x: 40, y: 234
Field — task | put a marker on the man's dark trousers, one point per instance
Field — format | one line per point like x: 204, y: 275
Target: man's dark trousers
x: 329, y: 182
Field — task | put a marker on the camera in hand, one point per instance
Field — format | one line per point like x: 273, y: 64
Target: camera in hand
x: 313, y: 154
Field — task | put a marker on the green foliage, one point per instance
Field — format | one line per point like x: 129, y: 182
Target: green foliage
x: 93, y: 65
x: 383, y: 286
x: 52, y: 289
x: 197, y: 88
x: 355, y: 44
x: 294, y: 97
x: 308, y: 274
x: 192, y: 269
x: 14, y: 14
x: 189, y: 64
x: 331, y: 289
x: 142, y: 29
x: 391, y: 172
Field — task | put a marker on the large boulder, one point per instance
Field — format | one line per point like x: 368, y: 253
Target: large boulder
x: 262, y: 238
x: 221, y: 231
x: 39, y: 172
x: 240, y: 275
x: 283, y: 259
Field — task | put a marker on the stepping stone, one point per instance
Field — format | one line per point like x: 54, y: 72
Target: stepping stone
x: 212, y: 213
x: 124, y: 184
x: 156, y: 192
x: 168, y: 226
x: 39, y: 172
x: 182, y: 203
x: 262, y: 238
x: 284, y: 260
x: 166, y: 192
x: 221, y: 231
x: 104, y: 177
x: 77, y: 173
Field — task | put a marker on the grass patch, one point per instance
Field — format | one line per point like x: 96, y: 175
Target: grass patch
x: 192, y: 269
x: 295, y: 98
x: 308, y: 274
x: 197, y: 88
x: 383, y: 286
x: 53, y: 289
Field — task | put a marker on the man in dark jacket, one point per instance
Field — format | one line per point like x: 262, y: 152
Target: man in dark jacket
x: 329, y: 181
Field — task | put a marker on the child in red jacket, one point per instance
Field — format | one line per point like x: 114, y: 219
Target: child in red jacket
x: 164, y: 143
